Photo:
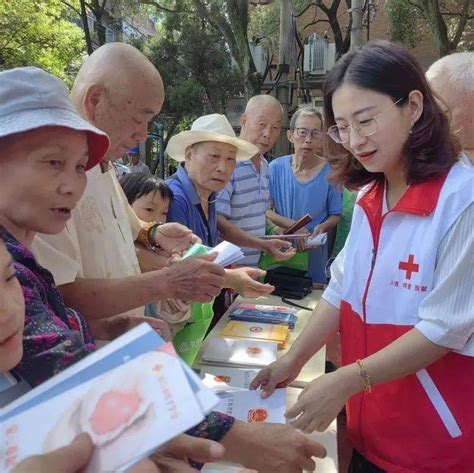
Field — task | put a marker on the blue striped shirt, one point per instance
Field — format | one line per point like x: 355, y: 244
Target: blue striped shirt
x: 244, y: 202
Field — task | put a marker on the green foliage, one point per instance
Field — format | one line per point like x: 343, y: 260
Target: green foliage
x: 196, y: 66
x: 38, y: 33
x: 404, y: 21
x: 265, y: 20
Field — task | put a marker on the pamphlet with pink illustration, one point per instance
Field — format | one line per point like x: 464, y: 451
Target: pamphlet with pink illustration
x: 139, y: 402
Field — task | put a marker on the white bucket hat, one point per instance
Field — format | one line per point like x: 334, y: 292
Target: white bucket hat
x: 213, y: 127
x: 30, y: 98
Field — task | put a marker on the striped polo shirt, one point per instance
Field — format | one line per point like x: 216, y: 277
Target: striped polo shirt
x: 244, y: 202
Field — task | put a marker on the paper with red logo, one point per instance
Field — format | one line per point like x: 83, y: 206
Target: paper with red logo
x: 231, y: 351
x: 233, y: 377
x: 259, y: 331
x: 248, y: 406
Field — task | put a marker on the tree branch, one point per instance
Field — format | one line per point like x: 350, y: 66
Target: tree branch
x: 461, y: 24
x: 71, y: 7
x: 155, y: 4
x: 316, y: 22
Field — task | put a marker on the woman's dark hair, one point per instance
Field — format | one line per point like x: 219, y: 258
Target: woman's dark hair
x: 390, y: 69
x: 137, y: 184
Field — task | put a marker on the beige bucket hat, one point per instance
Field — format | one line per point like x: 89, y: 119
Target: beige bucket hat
x: 214, y: 127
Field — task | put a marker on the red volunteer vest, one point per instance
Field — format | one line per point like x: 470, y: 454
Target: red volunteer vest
x: 423, y: 422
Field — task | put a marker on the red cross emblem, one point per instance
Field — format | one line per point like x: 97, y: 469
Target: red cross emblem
x: 409, y: 266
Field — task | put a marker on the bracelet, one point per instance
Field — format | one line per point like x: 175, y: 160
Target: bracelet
x: 364, y: 376
x: 150, y: 234
x: 146, y: 232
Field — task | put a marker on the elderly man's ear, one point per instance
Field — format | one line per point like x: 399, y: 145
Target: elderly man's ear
x: 95, y: 94
x: 188, y: 153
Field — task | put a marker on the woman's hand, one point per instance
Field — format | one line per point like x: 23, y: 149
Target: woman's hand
x: 279, y: 374
x: 321, y: 400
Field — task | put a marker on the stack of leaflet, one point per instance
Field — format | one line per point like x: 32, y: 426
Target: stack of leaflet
x: 318, y: 240
x: 131, y: 396
x: 227, y: 253
x: 226, y: 351
x: 268, y: 314
x: 257, y: 331
x: 248, y: 406
x: 222, y: 378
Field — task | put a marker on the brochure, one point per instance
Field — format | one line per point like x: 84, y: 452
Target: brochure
x: 240, y: 352
x: 318, y: 240
x: 269, y: 332
x: 264, y: 313
x: 248, y: 406
x: 227, y: 253
x: 219, y: 378
x: 131, y: 397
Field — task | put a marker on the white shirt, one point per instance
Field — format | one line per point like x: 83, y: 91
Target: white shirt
x: 447, y: 313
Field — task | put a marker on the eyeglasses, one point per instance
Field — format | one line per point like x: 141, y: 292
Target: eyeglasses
x: 341, y: 134
x: 304, y: 132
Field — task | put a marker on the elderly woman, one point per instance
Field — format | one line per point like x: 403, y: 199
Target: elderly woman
x: 47, y: 147
x: 299, y: 185
x: 48, y: 150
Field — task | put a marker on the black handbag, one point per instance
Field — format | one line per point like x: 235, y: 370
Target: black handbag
x: 289, y: 282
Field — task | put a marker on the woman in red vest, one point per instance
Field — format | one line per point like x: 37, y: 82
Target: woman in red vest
x: 401, y: 289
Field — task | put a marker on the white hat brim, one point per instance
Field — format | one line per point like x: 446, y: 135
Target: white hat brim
x: 27, y: 120
x: 178, y: 143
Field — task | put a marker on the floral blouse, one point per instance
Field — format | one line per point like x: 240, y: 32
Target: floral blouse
x: 56, y: 337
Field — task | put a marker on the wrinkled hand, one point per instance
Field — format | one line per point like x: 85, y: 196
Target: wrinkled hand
x: 274, y: 448
x: 318, y: 229
x: 278, y: 374
x: 243, y: 280
x: 186, y: 447
x: 174, y: 238
x: 274, y: 248
x: 195, y: 278
x: 319, y: 403
x: 112, y: 327
x: 70, y: 459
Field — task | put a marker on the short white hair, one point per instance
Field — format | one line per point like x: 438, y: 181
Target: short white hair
x: 456, y: 69
x: 256, y: 102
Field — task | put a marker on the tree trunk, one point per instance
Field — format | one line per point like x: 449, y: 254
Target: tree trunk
x: 437, y: 26
x: 101, y: 38
x: 85, y: 26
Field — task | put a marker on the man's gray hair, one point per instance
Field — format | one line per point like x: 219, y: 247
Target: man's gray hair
x: 305, y: 111
x: 456, y: 69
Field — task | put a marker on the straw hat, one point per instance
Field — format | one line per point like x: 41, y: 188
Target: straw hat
x: 213, y: 127
x: 30, y: 98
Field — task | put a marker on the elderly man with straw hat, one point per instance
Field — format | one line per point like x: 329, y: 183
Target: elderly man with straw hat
x: 208, y: 154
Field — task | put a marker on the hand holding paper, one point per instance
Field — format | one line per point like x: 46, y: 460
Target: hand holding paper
x: 318, y: 240
x: 227, y: 253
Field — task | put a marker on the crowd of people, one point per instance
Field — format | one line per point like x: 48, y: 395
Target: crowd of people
x: 89, y: 252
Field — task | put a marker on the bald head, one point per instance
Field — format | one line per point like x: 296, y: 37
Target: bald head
x: 261, y: 122
x: 452, y: 78
x: 119, y: 90
x: 264, y: 100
